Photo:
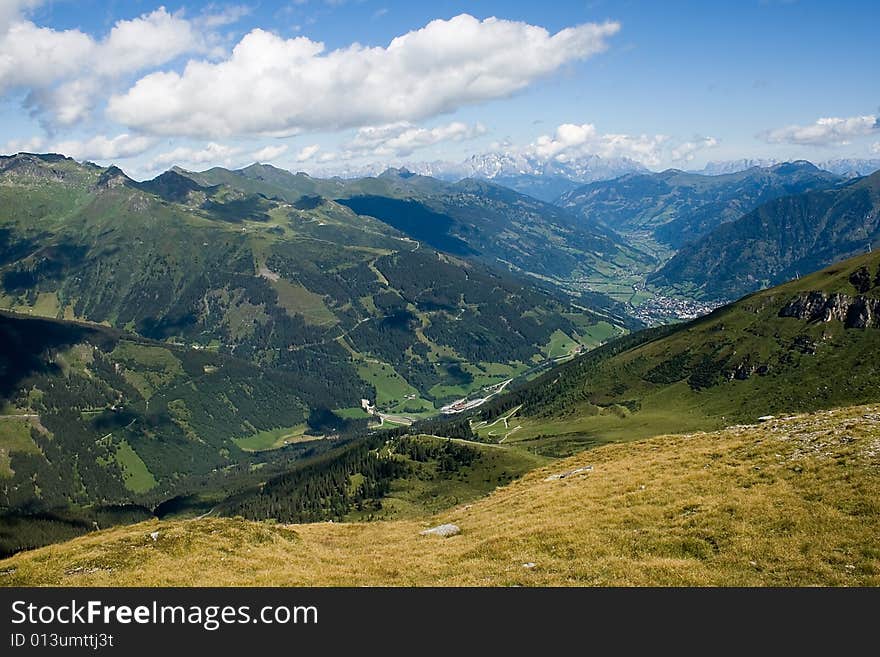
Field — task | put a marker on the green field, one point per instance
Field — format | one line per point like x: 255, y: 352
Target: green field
x: 297, y: 300
x: 352, y: 413
x: 391, y: 388
x: 559, y: 345
x: 135, y: 474
x: 273, y: 438
x: 45, y: 305
x: 154, y: 358
x: 599, y: 333
x: 15, y: 436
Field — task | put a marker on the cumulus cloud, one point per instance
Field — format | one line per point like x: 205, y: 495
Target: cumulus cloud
x: 402, y: 138
x: 269, y: 153
x: 31, y: 145
x: 275, y: 86
x: 63, y: 71
x: 12, y: 10
x: 572, y: 141
x: 876, y: 148
x: 686, y: 151
x: 829, y: 131
x: 214, y: 154
x: 70, y: 102
x: 32, y: 56
x: 307, y: 153
x: 102, y: 147
x: 188, y: 156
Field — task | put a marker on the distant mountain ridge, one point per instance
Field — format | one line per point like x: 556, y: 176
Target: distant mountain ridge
x: 528, y: 174
x: 847, y: 167
x: 548, y: 179
x: 779, y: 240
x: 676, y: 207
x: 471, y: 217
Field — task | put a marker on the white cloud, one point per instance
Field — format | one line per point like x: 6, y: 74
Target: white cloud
x: 151, y: 40
x: 307, y: 153
x: 270, y: 85
x: 213, y: 154
x: 685, y: 152
x: 572, y: 141
x: 70, y: 102
x: 32, y: 56
x: 269, y: 153
x: 32, y: 145
x: 829, y: 131
x: 213, y: 17
x: 876, y: 148
x: 12, y: 10
x: 402, y: 138
x: 105, y: 148
x: 65, y: 71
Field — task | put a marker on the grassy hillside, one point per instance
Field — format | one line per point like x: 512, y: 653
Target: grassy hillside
x: 768, y: 353
x: 479, y: 219
x: 789, y: 502
x: 778, y: 241
x: 306, y: 285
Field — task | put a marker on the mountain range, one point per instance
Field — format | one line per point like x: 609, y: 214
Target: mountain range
x: 266, y: 344
x: 471, y: 217
x: 548, y: 179
x: 782, y: 239
x: 739, y: 505
x: 847, y: 167
x: 676, y: 207
x: 542, y: 178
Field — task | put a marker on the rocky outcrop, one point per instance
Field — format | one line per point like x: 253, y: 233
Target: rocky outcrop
x: 746, y: 369
x: 855, y: 312
x: 442, y: 530
x: 26, y: 167
x: 111, y: 178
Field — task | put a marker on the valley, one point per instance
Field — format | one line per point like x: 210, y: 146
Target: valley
x: 270, y: 346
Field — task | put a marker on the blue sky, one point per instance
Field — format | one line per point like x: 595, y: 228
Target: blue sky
x: 665, y: 83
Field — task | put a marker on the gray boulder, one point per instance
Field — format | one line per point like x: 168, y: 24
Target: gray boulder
x: 442, y: 530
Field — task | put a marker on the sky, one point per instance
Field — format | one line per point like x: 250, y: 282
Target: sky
x: 326, y: 86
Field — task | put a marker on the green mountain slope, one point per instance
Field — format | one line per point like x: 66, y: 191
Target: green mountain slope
x: 353, y: 307
x: 676, y: 207
x: 471, y: 218
x: 92, y: 415
x: 810, y: 344
x: 778, y: 241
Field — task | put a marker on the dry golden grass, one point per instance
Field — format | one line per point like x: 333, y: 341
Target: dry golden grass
x: 788, y: 502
